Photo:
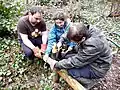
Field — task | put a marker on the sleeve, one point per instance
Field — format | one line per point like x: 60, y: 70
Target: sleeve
x: 72, y: 44
x: 51, y: 40
x: 83, y: 57
x: 63, y: 37
x: 21, y: 27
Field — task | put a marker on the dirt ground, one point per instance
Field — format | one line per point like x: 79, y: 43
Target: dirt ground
x: 112, y: 79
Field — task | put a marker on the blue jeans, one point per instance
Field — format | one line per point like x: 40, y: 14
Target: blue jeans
x: 28, y: 52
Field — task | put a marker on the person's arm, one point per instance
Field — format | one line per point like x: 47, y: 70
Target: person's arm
x: 22, y: 31
x: 44, y: 32
x: 72, y: 44
x: 44, y: 41
x: 44, y: 37
x: 51, y: 40
x: 83, y: 57
x: 26, y: 41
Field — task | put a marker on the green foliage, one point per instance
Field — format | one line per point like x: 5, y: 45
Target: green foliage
x: 44, y: 2
x: 35, y: 76
x: 13, y: 67
x: 10, y: 10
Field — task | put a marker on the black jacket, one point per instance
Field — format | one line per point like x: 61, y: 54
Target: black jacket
x: 94, y: 51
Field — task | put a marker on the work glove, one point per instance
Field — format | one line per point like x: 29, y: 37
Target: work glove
x: 63, y: 53
x: 50, y: 61
x: 37, y: 52
x: 43, y: 47
x: 69, y: 49
x: 45, y: 57
x: 54, y: 48
x: 59, y: 44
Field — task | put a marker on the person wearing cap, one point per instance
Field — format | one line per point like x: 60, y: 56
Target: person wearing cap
x: 32, y: 33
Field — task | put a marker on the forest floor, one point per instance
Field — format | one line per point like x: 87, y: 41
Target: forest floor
x: 18, y: 74
x: 112, y: 79
x: 37, y: 76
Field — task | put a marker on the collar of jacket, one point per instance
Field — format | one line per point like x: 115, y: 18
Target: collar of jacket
x: 65, y: 24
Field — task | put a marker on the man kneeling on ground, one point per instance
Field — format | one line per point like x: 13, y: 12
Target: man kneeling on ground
x: 93, y: 58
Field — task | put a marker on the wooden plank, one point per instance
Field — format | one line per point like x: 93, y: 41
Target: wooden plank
x: 72, y: 82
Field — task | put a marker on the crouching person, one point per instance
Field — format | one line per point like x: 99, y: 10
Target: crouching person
x: 93, y: 58
x: 56, y: 38
x: 32, y: 33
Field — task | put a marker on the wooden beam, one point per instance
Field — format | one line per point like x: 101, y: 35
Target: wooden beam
x: 72, y: 82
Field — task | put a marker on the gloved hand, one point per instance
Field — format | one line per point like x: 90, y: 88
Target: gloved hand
x: 59, y: 44
x: 43, y: 47
x: 51, y: 62
x: 64, y: 53
x: 69, y: 48
x: 54, y: 48
x: 45, y: 57
x: 37, y: 52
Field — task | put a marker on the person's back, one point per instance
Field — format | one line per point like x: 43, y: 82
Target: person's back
x: 102, y: 61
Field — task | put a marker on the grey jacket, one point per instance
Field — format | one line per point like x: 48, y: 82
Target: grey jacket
x: 94, y: 51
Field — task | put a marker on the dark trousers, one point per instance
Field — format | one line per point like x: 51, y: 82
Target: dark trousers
x: 82, y: 72
x: 28, y: 52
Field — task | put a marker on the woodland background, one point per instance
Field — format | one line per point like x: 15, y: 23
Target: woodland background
x: 18, y: 74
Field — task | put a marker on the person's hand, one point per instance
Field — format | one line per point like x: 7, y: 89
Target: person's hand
x: 38, y: 55
x: 37, y: 52
x: 59, y: 44
x: 51, y: 62
x: 45, y: 57
x: 69, y: 49
x: 54, y: 48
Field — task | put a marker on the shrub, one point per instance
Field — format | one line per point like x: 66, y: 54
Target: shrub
x: 10, y: 10
x: 44, y: 2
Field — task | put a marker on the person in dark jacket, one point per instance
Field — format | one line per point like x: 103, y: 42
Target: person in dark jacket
x: 32, y: 33
x: 93, y: 58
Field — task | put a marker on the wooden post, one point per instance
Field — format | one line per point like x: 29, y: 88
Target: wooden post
x: 72, y: 82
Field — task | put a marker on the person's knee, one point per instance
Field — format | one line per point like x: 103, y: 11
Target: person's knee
x: 28, y: 53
